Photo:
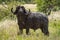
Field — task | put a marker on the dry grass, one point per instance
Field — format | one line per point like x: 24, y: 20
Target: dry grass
x: 9, y: 29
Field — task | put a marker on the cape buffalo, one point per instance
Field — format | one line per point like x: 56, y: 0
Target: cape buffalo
x: 34, y: 20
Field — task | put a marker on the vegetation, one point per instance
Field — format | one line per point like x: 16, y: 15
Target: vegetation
x: 47, y: 6
x: 8, y: 23
x: 9, y: 32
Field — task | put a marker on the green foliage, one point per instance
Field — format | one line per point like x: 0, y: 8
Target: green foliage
x: 41, y: 5
x: 5, y: 13
x: 22, y: 1
x: 47, y: 5
x: 5, y: 10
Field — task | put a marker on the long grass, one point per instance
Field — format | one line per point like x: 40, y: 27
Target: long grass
x: 9, y: 30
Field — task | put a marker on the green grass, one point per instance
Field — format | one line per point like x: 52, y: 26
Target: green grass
x: 9, y: 30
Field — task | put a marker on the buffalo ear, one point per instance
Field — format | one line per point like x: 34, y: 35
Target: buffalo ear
x: 29, y: 12
x: 24, y: 10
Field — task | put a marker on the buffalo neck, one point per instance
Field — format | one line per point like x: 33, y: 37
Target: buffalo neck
x: 21, y: 18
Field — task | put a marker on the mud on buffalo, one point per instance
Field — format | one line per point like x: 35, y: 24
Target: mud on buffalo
x: 34, y: 20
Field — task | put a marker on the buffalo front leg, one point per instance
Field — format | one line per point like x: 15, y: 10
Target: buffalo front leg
x: 20, y: 29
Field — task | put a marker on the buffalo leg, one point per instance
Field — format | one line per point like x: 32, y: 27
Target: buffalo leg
x: 27, y: 31
x: 21, y: 31
x: 45, y: 30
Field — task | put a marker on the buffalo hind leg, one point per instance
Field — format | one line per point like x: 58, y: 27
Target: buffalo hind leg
x: 27, y: 31
x: 45, y: 30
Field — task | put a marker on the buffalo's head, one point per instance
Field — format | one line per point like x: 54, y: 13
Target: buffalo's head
x: 21, y: 13
x: 19, y: 10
